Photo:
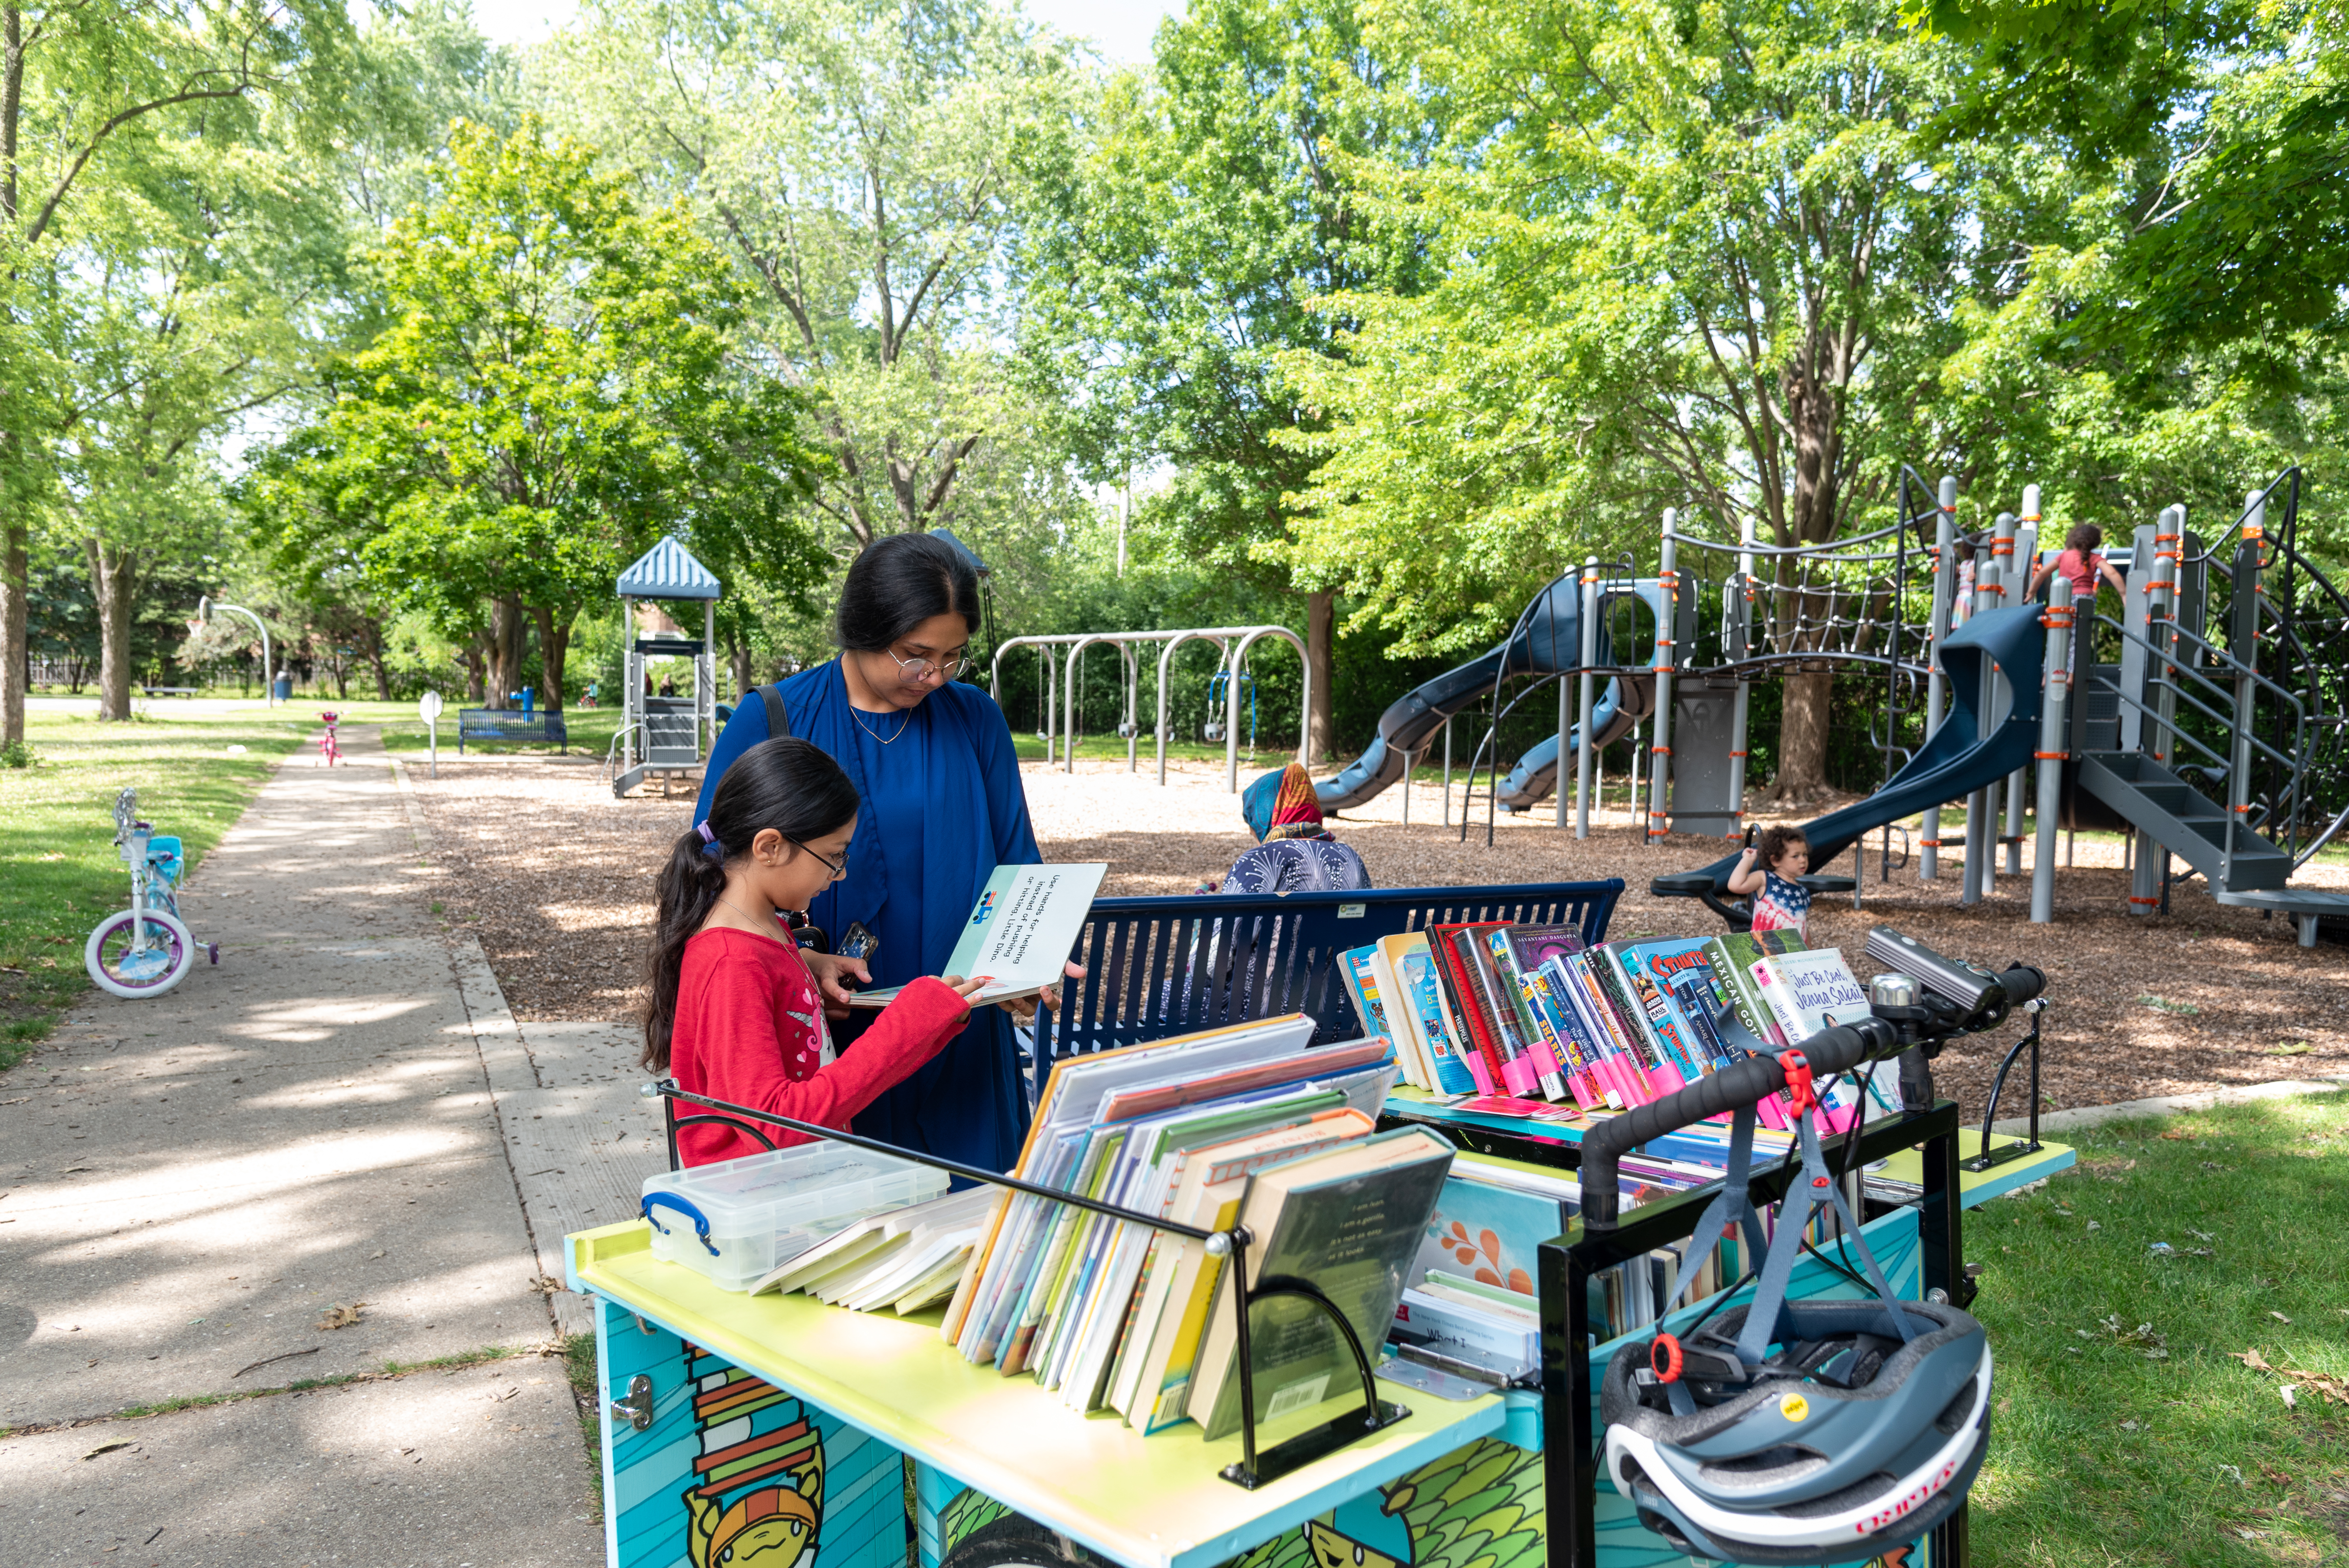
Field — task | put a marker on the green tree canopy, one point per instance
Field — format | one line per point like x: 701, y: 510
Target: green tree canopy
x: 1212, y: 224
x: 80, y: 79
x: 554, y: 386
x: 857, y: 159
x: 1691, y: 258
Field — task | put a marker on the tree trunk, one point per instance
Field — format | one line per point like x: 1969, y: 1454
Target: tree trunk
x: 113, y: 573
x: 382, y: 672
x: 507, y: 628
x: 477, y: 687
x: 737, y: 654
x: 554, y: 649
x: 1803, y: 738
x: 15, y: 606
x: 1321, y: 612
x: 15, y: 568
x: 1814, y: 409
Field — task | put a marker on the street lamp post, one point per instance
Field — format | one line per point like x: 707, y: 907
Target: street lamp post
x: 204, y: 608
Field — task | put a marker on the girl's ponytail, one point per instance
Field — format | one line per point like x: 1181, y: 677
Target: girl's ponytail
x: 688, y: 890
x: 789, y: 785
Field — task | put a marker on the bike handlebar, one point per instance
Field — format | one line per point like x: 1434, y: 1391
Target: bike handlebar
x: 1828, y: 1052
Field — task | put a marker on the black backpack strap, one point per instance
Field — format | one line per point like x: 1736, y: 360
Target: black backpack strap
x: 779, y: 718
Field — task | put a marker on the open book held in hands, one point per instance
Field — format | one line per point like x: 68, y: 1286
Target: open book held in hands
x: 1019, y: 932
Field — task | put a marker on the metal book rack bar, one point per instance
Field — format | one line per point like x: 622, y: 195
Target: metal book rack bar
x: 1255, y: 1469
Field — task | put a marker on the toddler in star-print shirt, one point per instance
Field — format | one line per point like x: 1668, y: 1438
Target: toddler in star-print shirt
x: 737, y: 1008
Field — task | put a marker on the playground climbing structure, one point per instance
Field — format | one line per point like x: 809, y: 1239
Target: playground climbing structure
x: 2204, y: 719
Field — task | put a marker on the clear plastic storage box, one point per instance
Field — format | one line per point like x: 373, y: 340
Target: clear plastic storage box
x: 738, y: 1218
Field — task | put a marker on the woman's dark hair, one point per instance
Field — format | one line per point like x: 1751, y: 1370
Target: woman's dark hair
x: 2083, y: 537
x: 789, y: 785
x: 901, y: 581
x: 1776, y: 842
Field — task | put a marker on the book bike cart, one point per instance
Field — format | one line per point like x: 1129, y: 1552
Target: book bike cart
x: 769, y: 1430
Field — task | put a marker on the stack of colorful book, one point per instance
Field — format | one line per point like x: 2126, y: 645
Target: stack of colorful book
x: 905, y: 1259
x: 1243, y: 1124
x: 1515, y: 1018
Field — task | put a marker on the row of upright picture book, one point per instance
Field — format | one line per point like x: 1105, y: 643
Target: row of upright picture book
x: 1515, y: 1018
x: 1245, y: 1124
x: 1421, y: 1248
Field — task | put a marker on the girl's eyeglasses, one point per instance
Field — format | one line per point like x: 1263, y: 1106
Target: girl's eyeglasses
x: 914, y: 671
x: 838, y: 869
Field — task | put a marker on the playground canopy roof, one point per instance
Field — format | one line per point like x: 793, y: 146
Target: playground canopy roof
x: 667, y: 572
x: 952, y: 538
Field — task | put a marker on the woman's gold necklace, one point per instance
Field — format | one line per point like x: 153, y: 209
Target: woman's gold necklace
x: 906, y: 717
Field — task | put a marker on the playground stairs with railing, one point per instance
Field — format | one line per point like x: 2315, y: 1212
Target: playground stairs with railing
x: 2133, y: 734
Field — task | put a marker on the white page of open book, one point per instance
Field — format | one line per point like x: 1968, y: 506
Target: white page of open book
x: 1020, y: 930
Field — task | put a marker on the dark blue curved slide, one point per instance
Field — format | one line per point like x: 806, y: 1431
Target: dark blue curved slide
x: 1958, y: 760
x: 1547, y: 639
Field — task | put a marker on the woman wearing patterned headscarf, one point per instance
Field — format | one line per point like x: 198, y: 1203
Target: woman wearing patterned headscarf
x: 1294, y: 852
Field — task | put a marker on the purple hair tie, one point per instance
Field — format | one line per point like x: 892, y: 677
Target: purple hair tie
x: 709, y: 845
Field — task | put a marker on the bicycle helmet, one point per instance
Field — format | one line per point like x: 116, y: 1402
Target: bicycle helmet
x: 1798, y: 1432
x: 1843, y: 1444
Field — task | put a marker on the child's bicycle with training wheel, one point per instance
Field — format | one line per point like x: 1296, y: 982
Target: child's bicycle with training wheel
x: 145, y: 950
x: 326, y: 742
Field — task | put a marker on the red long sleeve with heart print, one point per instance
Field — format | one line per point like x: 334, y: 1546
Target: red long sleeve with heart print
x: 750, y: 1029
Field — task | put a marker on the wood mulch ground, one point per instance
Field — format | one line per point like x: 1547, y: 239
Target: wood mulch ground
x: 555, y: 877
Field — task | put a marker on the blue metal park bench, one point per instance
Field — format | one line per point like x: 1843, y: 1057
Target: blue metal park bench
x: 1156, y: 967
x: 510, y: 725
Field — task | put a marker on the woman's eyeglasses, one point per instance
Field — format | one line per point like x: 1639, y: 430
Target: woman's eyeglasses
x: 914, y: 671
x: 838, y: 869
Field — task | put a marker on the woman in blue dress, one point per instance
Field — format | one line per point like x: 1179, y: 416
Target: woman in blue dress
x: 943, y: 807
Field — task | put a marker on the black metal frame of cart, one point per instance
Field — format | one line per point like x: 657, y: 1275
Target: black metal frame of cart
x: 1569, y: 1426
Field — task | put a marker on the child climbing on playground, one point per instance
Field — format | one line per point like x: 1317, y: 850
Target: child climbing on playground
x: 1780, y: 902
x: 736, y: 1009
x: 2082, y: 561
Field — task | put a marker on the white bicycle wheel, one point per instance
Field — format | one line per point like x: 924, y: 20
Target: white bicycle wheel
x: 117, y: 966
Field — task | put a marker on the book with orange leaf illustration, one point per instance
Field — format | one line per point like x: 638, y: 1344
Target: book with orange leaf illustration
x: 1495, y: 1214
x: 1487, y: 1230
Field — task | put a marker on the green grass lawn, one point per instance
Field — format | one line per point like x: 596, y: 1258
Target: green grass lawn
x: 2126, y: 1430
x: 59, y: 871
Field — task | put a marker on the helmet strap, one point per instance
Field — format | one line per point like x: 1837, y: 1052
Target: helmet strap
x: 1812, y: 1188
x: 1730, y: 1213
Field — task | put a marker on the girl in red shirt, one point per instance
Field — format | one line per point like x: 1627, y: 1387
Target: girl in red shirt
x: 2080, y: 561
x: 736, y: 1012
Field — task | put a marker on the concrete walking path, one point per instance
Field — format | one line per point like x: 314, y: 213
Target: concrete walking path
x: 333, y: 1116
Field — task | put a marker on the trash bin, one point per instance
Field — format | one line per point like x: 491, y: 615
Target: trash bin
x: 283, y: 688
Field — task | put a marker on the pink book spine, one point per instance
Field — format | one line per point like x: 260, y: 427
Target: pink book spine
x: 1519, y: 1075
x: 1478, y: 1072
x: 1630, y: 1081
